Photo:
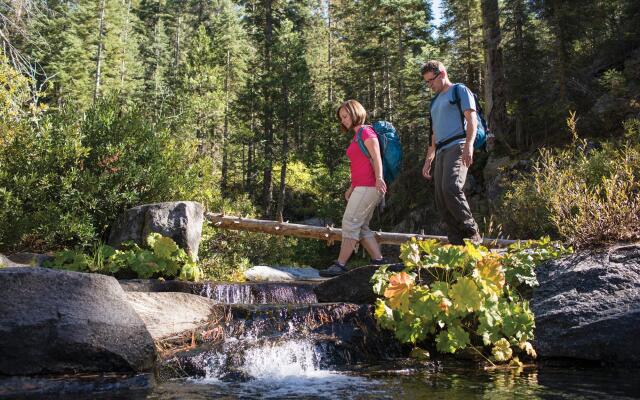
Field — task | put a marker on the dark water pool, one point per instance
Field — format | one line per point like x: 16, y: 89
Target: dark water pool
x: 394, y: 382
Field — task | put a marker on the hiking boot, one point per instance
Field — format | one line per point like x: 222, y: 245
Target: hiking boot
x: 476, y: 239
x: 382, y: 261
x: 334, y: 269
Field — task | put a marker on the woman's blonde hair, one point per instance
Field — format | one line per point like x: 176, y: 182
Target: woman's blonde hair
x: 355, y: 110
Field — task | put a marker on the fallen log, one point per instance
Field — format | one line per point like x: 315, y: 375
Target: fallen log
x: 326, y: 233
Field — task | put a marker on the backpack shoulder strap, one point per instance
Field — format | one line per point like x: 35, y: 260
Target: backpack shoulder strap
x: 433, y: 99
x: 456, y: 100
x: 360, y: 142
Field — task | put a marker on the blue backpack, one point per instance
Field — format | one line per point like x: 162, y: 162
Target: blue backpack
x: 483, y: 130
x: 390, y: 149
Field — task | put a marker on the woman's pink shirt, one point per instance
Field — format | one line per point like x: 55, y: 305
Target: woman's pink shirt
x: 362, y: 172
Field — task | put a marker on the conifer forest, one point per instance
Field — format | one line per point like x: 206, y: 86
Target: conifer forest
x: 109, y: 104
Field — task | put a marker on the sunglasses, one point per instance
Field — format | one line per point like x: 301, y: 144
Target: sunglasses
x: 432, y: 79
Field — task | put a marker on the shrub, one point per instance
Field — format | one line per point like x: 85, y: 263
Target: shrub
x: 460, y: 296
x: 162, y: 259
x: 64, y: 180
x: 586, y: 194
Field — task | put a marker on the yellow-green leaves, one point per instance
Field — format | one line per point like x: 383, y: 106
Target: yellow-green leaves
x: 489, y: 269
x: 502, y: 350
x: 452, y: 339
x: 162, y: 246
x: 399, y: 290
x: 465, y: 295
x: 528, y: 348
x: 163, y: 259
x: 451, y: 293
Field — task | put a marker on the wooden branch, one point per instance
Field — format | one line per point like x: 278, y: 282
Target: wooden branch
x: 327, y: 233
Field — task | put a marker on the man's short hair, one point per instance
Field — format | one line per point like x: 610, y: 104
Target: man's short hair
x: 434, y: 66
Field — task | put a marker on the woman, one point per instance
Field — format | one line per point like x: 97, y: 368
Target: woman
x: 366, y: 190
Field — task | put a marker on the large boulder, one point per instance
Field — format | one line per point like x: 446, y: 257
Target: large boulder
x: 61, y: 321
x: 181, y: 221
x: 588, y: 306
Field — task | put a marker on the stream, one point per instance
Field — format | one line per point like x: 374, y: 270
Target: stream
x: 279, y: 343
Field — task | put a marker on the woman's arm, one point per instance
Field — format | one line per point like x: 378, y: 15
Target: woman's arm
x: 374, y: 151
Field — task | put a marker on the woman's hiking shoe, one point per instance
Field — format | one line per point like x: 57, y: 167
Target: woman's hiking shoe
x: 382, y: 261
x: 334, y: 269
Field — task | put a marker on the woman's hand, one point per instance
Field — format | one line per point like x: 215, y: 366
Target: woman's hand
x: 381, y: 185
x: 347, y: 194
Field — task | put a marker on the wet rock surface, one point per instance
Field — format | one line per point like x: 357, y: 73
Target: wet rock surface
x: 231, y: 293
x: 61, y: 321
x: 77, y: 386
x: 588, y: 306
x: 334, y: 334
x: 351, y: 287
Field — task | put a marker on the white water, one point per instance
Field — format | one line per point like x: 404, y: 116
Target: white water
x: 281, y: 370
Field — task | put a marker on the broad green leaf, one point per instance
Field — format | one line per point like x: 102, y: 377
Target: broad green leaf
x: 502, y: 350
x: 465, y: 295
x: 527, y: 347
x: 164, y: 247
x: 452, y: 339
x: 399, y: 290
x: 489, y: 268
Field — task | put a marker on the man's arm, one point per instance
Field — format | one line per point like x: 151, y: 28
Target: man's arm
x: 431, y: 154
x: 472, y: 129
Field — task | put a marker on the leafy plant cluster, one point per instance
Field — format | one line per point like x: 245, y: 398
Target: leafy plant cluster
x: 586, y: 193
x: 162, y: 259
x: 64, y: 179
x: 463, y: 296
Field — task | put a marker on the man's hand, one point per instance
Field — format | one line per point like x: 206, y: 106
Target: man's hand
x: 426, y: 169
x: 467, y: 155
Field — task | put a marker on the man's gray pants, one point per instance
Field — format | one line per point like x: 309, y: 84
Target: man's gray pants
x: 449, y: 177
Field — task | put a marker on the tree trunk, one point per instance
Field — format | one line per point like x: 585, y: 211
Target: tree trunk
x: 125, y: 39
x: 521, y: 105
x: 330, y: 55
x: 225, y: 131
x: 96, y: 91
x: 285, y: 145
x: 496, y: 105
x: 267, y: 191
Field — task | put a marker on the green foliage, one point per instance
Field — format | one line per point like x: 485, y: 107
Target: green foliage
x: 64, y: 180
x: 461, y: 296
x: 585, y: 194
x: 162, y: 259
x: 613, y: 81
x: 226, y: 254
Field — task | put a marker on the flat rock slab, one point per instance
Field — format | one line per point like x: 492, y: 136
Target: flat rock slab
x: 25, y: 259
x: 61, y: 321
x: 265, y: 273
x: 588, y: 306
x: 168, y: 314
x: 295, y: 292
x: 351, y: 287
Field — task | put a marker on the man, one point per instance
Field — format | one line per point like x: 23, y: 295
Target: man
x: 453, y: 155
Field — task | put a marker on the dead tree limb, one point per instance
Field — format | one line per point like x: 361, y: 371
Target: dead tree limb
x: 327, y: 233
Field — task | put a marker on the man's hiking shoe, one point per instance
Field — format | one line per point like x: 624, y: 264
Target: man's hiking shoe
x: 475, y: 239
x: 334, y: 269
x: 382, y: 261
